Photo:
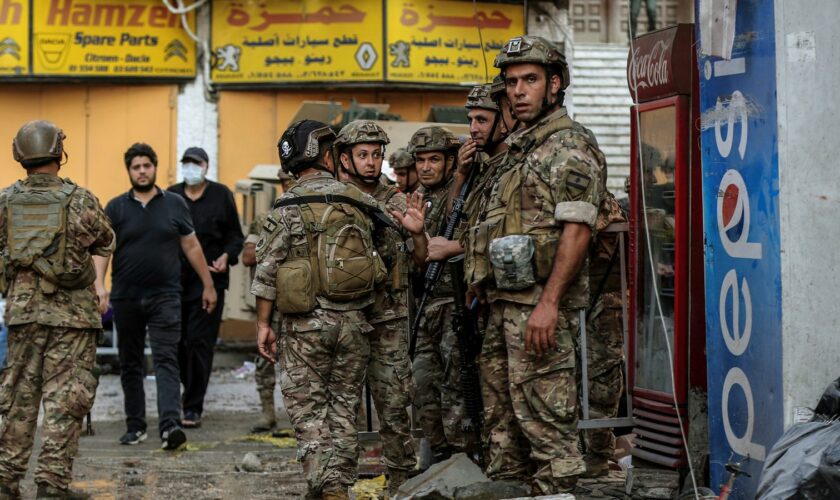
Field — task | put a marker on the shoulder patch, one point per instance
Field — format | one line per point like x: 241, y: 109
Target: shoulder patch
x: 577, y: 183
x: 270, y: 225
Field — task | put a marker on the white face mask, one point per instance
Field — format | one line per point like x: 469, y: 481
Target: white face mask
x: 193, y: 173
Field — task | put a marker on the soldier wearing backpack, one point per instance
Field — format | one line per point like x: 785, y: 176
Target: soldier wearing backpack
x: 360, y: 149
x: 317, y: 265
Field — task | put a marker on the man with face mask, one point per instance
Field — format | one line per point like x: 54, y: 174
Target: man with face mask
x: 360, y: 147
x: 216, y: 223
x: 152, y: 227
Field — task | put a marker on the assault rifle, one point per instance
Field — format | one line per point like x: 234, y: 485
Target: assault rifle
x: 434, y: 270
x: 469, y: 345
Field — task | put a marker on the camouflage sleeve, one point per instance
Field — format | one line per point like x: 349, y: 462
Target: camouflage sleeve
x: 98, y: 235
x: 575, y: 185
x: 254, y: 230
x: 272, y: 249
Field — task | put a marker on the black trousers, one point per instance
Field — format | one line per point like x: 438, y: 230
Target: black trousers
x: 162, y: 315
x: 199, y: 332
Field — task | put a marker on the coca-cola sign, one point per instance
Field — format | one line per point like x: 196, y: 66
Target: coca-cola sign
x: 649, y: 69
x: 660, y: 64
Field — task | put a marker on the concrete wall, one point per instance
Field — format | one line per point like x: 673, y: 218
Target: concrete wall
x: 808, y: 72
x: 198, y: 114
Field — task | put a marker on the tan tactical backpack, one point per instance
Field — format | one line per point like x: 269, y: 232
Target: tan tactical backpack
x: 337, y: 260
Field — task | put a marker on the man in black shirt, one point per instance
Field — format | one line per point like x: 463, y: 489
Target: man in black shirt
x: 220, y: 234
x: 152, y: 226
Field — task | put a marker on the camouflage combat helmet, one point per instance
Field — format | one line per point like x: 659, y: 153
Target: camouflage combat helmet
x: 536, y: 50
x: 479, y: 98
x: 400, y: 159
x: 37, y: 141
x: 361, y: 132
x: 497, y: 88
x: 432, y: 139
x: 301, y: 145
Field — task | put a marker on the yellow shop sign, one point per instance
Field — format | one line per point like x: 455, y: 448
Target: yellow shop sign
x: 113, y: 38
x: 297, y: 41
x: 14, y: 37
x: 437, y: 41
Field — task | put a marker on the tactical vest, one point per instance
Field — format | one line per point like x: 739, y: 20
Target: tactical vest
x: 37, y: 236
x: 512, y: 267
x: 437, y: 217
x: 336, y: 259
x: 477, y: 269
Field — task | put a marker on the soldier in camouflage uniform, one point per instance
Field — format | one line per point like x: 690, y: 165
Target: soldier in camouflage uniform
x: 402, y: 163
x: 484, y: 151
x: 605, y: 340
x: 531, y: 247
x: 266, y: 375
x: 49, y: 228
x: 439, y: 399
x: 321, y: 278
x: 360, y: 147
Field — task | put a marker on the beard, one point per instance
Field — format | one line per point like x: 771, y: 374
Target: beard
x: 143, y: 188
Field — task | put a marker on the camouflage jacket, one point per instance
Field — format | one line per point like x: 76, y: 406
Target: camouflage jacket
x: 254, y: 229
x: 394, y: 246
x: 437, y: 215
x: 552, y: 175
x: 89, y: 233
x: 475, y: 208
x: 284, y: 228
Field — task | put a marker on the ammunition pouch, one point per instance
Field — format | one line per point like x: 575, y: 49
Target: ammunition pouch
x: 510, y: 257
x: 296, y: 287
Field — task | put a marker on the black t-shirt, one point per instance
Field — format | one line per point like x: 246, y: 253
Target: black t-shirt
x: 146, y: 260
x: 219, y: 231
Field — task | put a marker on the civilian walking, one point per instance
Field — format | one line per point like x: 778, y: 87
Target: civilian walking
x: 152, y: 226
x: 217, y: 226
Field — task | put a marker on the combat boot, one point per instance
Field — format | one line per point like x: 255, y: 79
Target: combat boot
x: 47, y: 491
x: 267, y: 420
x: 9, y: 492
x: 396, y: 477
x: 335, y: 494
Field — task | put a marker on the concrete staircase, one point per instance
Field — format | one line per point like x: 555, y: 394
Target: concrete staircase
x: 601, y: 102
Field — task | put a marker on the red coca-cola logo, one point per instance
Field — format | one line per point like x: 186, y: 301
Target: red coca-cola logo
x: 650, y: 69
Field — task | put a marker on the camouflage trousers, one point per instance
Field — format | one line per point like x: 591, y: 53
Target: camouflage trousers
x: 438, y: 396
x: 389, y: 379
x: 530, y: 403
x: 266, y: 378
x: 52, y: 364
x: 604, y: 347
x: 323, y: 356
